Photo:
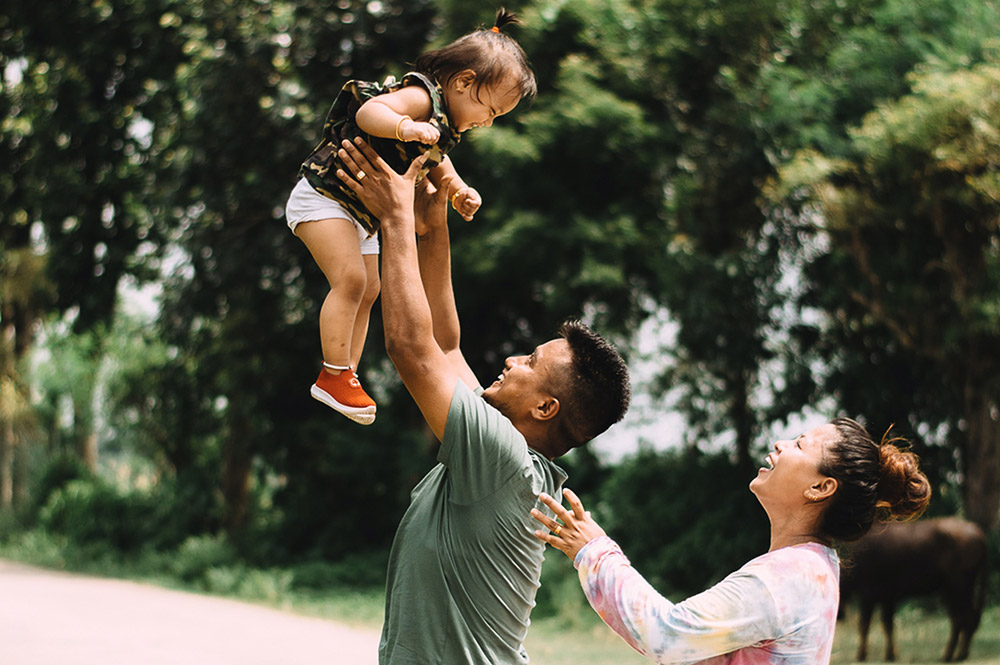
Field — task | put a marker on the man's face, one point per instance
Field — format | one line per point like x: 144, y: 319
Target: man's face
x: 525, y: 380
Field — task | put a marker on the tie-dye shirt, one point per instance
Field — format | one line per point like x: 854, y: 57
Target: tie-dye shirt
x: 780, y: 608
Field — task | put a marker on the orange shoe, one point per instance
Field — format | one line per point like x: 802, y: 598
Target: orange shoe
x: 343, y: 392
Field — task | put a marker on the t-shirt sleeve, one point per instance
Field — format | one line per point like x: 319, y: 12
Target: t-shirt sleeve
x: 735, y: 613
x: 480, y: 447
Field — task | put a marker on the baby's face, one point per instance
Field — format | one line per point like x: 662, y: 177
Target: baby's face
x: 472, y: 106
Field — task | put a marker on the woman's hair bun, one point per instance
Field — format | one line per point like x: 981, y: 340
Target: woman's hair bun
x: 903, y: 489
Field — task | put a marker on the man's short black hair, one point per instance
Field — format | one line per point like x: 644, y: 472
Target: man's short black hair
x: 594, y: 390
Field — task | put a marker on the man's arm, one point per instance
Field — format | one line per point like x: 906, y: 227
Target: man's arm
x: 407, y: 317
x: 434, y: 253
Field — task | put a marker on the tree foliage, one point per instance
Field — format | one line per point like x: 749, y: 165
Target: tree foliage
x: 806, y: 189
x: 911, y: 216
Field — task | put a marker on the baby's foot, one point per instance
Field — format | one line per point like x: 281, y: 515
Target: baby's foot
x: 343, y: 392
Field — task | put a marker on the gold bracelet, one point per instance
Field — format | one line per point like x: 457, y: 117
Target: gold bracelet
x: 400, y: 122
x: 455, y: 196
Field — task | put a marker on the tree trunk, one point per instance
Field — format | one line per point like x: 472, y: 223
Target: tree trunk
x: 982, y: 458
x: 236, y: 464
x: 7, y: 337
x: 20, y: 477
x: 743, y: 422
x: 6, y: 462
x: 84, y: 436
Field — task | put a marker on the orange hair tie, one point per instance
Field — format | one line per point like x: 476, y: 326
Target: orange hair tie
x: 495, y: 29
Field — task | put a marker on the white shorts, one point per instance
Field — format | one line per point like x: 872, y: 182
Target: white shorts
x: 305, y: 204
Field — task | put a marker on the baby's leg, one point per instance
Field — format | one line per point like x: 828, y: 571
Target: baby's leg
x: 372, y: 286
x: 336, y: 249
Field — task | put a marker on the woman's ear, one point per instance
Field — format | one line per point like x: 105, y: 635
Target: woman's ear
x: 821, y: 490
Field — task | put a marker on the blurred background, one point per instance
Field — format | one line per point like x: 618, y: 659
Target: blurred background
x: 780, y: 210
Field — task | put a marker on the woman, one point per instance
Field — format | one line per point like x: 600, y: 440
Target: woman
x: 830, y: 484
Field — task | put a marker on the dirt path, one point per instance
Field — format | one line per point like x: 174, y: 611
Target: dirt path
x: 52, y: 618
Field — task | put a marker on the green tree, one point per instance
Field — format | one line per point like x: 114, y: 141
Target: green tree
x: 242, y: 310
x: 81, y: 81
x: 24, y: 293
x: 910, y: 271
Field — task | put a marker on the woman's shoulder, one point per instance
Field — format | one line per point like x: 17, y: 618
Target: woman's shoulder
x: 804, y: 555
x: 802, y: 571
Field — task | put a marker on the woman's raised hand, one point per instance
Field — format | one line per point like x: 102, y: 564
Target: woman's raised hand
x: 577, y: 529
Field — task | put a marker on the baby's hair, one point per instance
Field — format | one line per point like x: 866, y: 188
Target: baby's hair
x: 491, y: 53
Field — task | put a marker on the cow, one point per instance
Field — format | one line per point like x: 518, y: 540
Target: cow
x: 945, y: 557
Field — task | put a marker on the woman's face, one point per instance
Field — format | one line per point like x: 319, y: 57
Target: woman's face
x: 790, y: 475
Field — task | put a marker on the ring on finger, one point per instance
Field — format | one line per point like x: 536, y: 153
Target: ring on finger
x: 361, y: 175
x: 556, y: 530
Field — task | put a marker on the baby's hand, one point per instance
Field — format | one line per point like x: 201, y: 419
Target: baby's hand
x: 411, y: 130
x: 466, y: 202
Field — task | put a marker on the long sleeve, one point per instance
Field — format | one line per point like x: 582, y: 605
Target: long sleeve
x: 778, y: 608
x: 738, y: 612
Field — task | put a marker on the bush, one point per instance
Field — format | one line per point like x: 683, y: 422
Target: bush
x: 684, y: 519
x: 36, y: 547
x: 91, y: 511
x: 241, y: 581
x: 357, y: 571
x: 199, y: 554
x: 57, y: 474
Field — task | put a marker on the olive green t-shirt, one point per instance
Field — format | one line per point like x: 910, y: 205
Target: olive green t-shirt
x: 465, y: 564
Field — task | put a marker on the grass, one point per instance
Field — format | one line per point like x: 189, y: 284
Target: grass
x: 920, y: 637
x: 571, y: 634
x: 582, y: 639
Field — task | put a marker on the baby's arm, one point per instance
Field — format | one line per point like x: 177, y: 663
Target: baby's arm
x: 401, y: 115
x: 466, y: 200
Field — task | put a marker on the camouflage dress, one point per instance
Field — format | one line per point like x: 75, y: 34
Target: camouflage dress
x: 320, y: 168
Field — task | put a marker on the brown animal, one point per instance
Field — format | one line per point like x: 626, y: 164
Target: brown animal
x: 945, y: 557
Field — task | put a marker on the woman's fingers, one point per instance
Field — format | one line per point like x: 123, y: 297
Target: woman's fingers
x: 551, y: 539
x: 575, y: 504
x: 556, y: 507
x: 546, y: 521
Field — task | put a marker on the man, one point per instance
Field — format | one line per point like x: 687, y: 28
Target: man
x: 465, y: 566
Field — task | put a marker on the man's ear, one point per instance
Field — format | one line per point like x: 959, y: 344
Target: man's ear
x: 821, y: 490
x: 546, y: 409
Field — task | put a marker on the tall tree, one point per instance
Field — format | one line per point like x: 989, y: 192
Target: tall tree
x: 912, y: 275
x: 81, y: 81
x: 242, y: 310
x: 630, y: 185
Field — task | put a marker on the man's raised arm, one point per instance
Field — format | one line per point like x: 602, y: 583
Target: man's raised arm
x: 407, y: 317
x: 434, y: 252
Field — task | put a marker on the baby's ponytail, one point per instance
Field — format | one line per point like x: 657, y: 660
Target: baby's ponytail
x: 505, y: 18
x: 873, y: 482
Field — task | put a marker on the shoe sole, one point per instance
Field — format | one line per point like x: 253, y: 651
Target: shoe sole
x: 364, y: 415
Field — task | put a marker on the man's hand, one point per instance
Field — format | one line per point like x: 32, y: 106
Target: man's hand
x: 431, y: 206
x: 387, y: 195
x: 466, y: 202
